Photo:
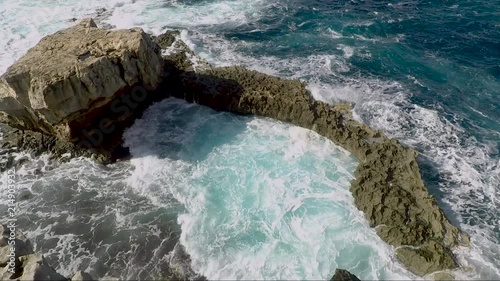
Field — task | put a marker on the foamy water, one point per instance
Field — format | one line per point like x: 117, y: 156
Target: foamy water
x: 255, y: 199
x: 264, y: 200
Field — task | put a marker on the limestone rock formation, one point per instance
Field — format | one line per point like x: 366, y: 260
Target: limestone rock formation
x: 90, y: 69
x: 15, y: 140
x: 343, y: 275
x: 427, y: 258
x: 62, y: 84
x: 387, y: 187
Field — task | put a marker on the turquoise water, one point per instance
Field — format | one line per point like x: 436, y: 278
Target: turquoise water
x: 259, y: 199
x: 263, y: 200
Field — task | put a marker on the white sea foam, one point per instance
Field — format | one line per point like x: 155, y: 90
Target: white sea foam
x: 266, y: 200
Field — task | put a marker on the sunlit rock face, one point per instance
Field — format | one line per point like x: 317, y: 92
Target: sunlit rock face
x: 60, y: 86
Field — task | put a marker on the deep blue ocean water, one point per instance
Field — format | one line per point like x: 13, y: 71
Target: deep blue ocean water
x: 259, y: 199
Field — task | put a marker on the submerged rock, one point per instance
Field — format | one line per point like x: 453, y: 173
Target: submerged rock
x: 25, y: 194
x: 343, y: 275
x: 427, y: 258
x: 180, y: 265
x: 443, y: 276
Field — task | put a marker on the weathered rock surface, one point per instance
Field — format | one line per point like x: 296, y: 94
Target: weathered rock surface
x: 19, y: 242
x: 25, y: 264
x: 63, y: 84
x: 180, y: 265
x: 443, y: 276
x: 343, y: 275
x: 34, y: 267
x: 15, y: 140
x: 86, y: 76
x: 427, y: 258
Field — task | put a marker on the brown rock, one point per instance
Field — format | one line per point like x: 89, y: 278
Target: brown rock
x: 91, y: 68
x: 343, y: 275
x: 427, y: 258
x: 443, y: 276
x: 58, y: 87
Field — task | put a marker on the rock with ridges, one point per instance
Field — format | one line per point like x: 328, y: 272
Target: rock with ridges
x: 22, y: 245
x: 427, y: 258
x: 443, y: 276
x: 109, y: 278
x: 58, y: 87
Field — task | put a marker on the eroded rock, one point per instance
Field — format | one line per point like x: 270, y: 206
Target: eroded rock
x: 17, y: 240
x: 343, y: 275
x: 443, y: 276
x: 180, y: 265
x: 61, y: 85
x: 427, y: 258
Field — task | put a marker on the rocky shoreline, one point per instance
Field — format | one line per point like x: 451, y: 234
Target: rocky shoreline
x: 97, y: 82
x: 24, y: 263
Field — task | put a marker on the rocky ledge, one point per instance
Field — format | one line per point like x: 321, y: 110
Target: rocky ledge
x: 81, y: 87
x: 19, y: 262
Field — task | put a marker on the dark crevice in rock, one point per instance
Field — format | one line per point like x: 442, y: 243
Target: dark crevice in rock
x: 84, y: 56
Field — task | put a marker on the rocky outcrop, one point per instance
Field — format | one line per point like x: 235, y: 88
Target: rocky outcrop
x: 180, y: 266
x: 387, y: 187
x: 15, y: 140
x: 343, y: 275
x: 63, y: 84
x: 81, y: 276
x: 17, y: 239
x: 19, y: 262
x: 92, y: 70
x: 33, y: 267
